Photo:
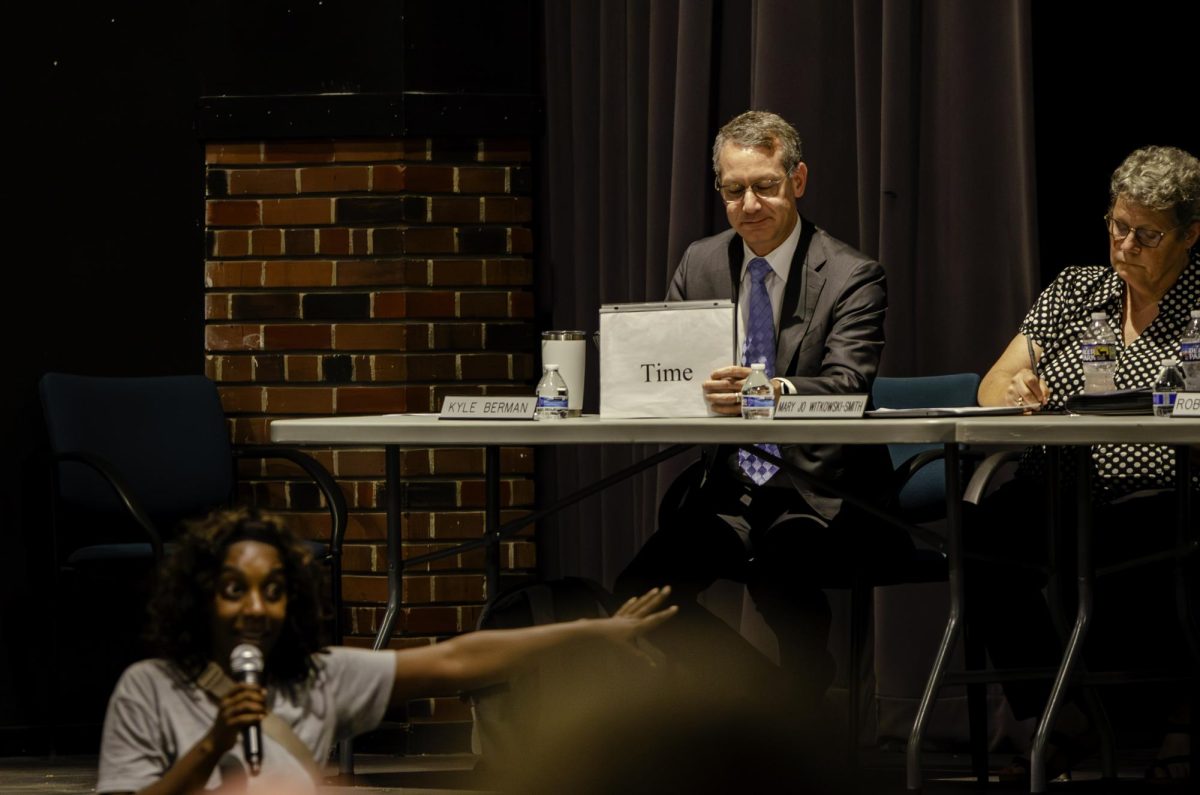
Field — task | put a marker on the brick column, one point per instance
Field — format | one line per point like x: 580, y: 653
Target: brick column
x: 358, y: 277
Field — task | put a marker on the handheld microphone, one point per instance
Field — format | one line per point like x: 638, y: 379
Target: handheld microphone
x: 246, y: 663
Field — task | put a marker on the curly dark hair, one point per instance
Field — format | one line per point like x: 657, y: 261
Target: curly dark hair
x: 180, y: 617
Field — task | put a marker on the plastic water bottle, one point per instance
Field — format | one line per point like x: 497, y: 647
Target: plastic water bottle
x: 551, y: 395
x: 1168, y: 383
x: 758, y: 396
x: 1098, y: 350
x: 1189, y: 352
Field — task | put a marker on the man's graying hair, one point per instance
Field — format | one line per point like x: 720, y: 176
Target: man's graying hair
x: 760, y: 128
x: 1160, y: 178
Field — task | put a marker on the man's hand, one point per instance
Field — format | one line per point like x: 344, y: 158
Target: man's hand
x: 723, y: 390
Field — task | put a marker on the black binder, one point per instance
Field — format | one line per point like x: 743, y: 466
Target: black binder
x: 1122, y: 401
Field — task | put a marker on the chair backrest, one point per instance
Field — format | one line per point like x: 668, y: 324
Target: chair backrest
x: 166, y: 436
x: 673, y: 500
x: 928, y: 391
x: 925, y: 492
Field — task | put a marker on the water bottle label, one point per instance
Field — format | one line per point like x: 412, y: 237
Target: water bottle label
x: 1097, y: 352
x: 552, y: 403
x: 1164, y: 403
x: 756, y: 402
x: 1190, y: 351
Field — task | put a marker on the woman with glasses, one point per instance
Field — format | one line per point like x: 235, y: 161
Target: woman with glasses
x: 1153, y: 223
x: 1147, y: 291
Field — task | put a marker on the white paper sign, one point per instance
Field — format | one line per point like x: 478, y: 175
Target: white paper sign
x: 1187, y: 404
x: 654, y: 357
x: 474, y: 407
x: 799, y: 407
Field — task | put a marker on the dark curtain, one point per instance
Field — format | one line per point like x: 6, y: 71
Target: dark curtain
x: 918, y: 133
x: 629, y: 106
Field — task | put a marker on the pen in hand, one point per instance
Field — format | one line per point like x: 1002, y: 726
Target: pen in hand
x: 1041, y: 392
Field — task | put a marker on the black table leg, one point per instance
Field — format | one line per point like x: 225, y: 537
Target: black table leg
x: 975, y: 657
x: 1059, y: 537
x: 1083, y: 618
x: 492, y: 521
x: 1185, y: 536
x: 395, y: 558
x: 395, y: 554
x: 953, y: 622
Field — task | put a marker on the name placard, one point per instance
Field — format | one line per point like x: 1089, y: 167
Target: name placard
x: 1187, y: 404
x: 474, y: 407
x: 802, y: 407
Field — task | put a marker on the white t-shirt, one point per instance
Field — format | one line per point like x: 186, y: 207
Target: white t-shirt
x: 156, y: 715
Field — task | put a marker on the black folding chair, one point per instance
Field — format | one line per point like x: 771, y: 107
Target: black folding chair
x: 132, y: 458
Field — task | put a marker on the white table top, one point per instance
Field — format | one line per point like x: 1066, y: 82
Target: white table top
x: 427, y: 429
x: 1066, y: 429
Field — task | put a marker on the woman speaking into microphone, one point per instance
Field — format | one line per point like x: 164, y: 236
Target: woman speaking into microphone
x: 175, y: 723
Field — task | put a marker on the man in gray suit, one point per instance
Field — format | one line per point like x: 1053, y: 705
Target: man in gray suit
x: 811, y: 308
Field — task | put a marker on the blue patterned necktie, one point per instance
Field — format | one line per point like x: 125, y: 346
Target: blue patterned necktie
x: 759, y: 346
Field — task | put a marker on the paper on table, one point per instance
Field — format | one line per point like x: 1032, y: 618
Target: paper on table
x: 654, y: 357
x: 946, y: 411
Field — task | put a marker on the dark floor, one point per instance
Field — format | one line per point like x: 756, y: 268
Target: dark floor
x: 419, y: 775
x: 881, y: 772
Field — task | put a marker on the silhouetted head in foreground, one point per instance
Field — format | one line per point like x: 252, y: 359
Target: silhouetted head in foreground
x: 669, y: 743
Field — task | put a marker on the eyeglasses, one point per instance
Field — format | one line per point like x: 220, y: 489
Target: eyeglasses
x: 763, y: 189
x: 1146, y: 238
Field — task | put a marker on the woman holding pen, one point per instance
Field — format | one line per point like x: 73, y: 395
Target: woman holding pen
x: 1147, y: 290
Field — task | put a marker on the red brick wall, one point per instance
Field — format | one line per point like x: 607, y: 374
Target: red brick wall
x: 357, y: 277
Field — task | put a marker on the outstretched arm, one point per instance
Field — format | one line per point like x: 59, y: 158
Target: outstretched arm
x: 481, y: 658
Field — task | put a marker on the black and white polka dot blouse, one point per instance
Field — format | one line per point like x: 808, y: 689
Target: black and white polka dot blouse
x: 1056, y: 322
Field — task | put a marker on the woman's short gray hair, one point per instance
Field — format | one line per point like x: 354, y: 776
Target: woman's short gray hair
x: 1160, y: 178
x: 760, y: 128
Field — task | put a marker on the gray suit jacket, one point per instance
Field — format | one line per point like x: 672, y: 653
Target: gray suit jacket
x: 829, y: 342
